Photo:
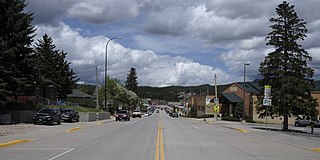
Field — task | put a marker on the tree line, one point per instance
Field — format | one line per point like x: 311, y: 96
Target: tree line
x: 23, y: 65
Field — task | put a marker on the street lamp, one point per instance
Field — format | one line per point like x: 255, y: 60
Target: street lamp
x: 105, y: 72
x: 244, y: 85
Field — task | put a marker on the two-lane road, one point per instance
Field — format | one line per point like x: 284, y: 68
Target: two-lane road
x: 161, y: 137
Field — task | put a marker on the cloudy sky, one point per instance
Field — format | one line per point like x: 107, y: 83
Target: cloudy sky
x: 169, y: 42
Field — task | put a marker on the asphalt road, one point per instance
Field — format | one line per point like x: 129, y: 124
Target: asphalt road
x: 158, y: 137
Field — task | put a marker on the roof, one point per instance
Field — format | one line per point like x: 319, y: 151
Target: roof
x: 248, y: 87
x: 78, y: 94
x: 231, y: 97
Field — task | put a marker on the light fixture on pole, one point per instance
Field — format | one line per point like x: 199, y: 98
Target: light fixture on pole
x: 244, y: 91
x: 105, y: 73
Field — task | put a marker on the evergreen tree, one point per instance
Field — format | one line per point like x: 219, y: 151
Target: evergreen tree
x: 16, y: 59
x: 285, y: 69
x: 131, y: 83
x: 52, y: 67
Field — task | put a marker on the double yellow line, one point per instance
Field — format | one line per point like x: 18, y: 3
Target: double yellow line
x: 159, y: 143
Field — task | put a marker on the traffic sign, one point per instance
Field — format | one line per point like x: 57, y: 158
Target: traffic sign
x: 266, y: 102
x: 267, y: 91
x: 216, y: 108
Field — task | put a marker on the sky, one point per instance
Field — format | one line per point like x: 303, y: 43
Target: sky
x: 168, y: 42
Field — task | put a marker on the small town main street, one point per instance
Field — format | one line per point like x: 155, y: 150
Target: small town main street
x: 158, y: 137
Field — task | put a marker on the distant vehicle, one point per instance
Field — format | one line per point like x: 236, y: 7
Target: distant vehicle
x: 145, y: 114
x: 157, y: 111
x: 175, y: 115
x: 122, y: 114
x: 47, y: 116
x: 306, y: 122
x: 70, y: 115
x: 136, y: 113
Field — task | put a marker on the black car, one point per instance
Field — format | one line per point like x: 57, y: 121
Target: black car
x: 70, y: 114
x: 123, y: 114
x: 47, y: 116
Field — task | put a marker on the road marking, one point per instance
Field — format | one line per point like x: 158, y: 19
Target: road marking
x: 14, y: 142
x: 195, y: 126
x: 159, y: 143
x: 59, y: 155
x: 73, y: 129
x: 238, y: 129
x: 315, y: 149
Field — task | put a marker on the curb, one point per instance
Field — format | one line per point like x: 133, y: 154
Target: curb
x: 238, y: 129
x: 14, y: 142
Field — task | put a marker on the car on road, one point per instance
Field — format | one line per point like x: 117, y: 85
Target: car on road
x: 122, y: 115
x: 47, y: 116
x: 306, y: 122
x: 70, y: 114
x: 174, y: 114
x: 136, y: 113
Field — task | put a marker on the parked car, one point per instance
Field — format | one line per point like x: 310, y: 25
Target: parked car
x: 47, y: 116
x: 70, y: 114
x: 122, y: 114
x: 175, y: 115
x: 136, y: 113
x: 306, y: 122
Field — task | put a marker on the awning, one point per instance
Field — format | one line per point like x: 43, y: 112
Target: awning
x: 231, y: 97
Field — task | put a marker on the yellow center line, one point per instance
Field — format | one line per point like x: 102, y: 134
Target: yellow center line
x: 159, y: 143
x: 15, y: 142
x: 73, y: 129
x: 315, y: 149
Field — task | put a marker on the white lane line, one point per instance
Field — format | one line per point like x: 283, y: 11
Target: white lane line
x: 59, y: 155
x: 195, y: 126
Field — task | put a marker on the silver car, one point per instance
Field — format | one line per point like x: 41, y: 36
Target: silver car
x: 306, y: 122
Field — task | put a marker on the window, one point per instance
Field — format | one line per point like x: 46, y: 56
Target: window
x: 233, y: 89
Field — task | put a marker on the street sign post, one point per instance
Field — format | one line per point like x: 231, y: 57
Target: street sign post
x: 267, y: 101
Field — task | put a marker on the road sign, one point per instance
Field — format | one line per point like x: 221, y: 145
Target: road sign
x: 267, y: 91
x: 266, y: 102
x: 216, y: 108
x: 216, y: 100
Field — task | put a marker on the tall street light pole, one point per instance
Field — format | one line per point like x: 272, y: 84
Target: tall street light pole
x: 244, y: 93
x: 105, y: 72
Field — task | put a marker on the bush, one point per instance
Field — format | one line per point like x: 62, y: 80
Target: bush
x: 235, y: 119
x: 249, y: 120
x: 193, y: 113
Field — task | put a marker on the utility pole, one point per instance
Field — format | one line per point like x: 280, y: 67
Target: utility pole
x: 215, y: 96
x: 97, y: 88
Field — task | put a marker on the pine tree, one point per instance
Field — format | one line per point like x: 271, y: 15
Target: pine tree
x: 285, y: 69
x: 16, y: 59
x: 131, y: 83
x: 52, y: 67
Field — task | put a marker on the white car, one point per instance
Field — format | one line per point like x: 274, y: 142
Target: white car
x: 136, y: 113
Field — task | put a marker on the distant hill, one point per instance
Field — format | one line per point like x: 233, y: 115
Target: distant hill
x: 175, y: 93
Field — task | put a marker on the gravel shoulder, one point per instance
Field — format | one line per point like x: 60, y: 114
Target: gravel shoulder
x: 6, y: 130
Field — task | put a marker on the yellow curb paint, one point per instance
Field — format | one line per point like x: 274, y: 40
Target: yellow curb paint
x: 73, y: 129
x: 15, y: 142
x: 238, y: 129
x: 159, y: 143
x: 315, y: 149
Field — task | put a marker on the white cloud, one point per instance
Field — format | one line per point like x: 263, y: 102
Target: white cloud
x: 101, y: 11
x: 86, y: 53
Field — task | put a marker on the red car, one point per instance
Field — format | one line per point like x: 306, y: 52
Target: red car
x: 122, y: 114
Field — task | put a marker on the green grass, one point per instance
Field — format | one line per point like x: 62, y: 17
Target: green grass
x: 77, y: 108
